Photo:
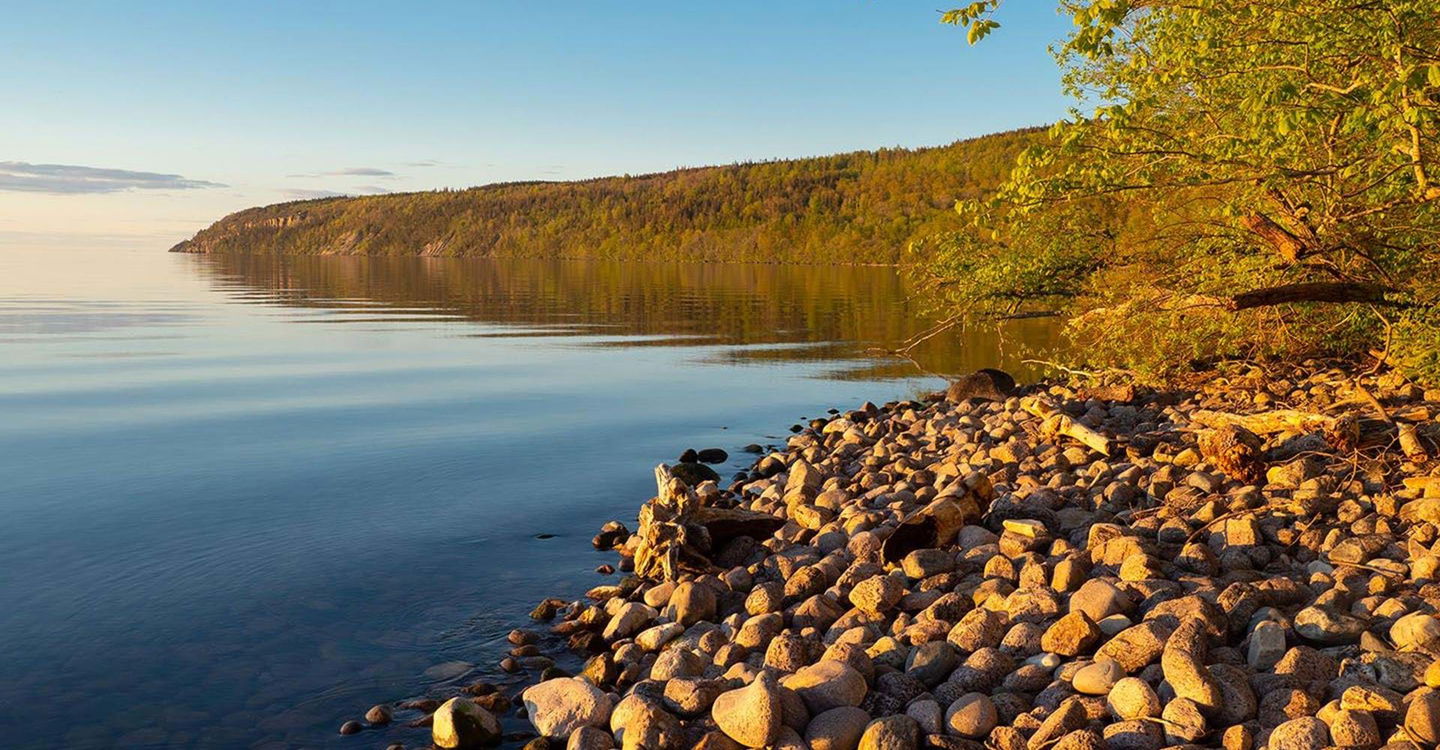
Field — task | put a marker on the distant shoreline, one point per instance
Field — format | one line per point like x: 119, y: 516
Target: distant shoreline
x: 864, y: 207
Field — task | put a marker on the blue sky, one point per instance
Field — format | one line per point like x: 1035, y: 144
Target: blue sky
x: 225, y: 104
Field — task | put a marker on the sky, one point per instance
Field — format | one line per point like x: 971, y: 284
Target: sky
x: 139, y: 123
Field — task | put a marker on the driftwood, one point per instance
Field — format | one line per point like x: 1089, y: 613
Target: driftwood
x: 1405, y: 434
x: 678, y: 533
x: 937, y: 524
x: 1344, y: 433
x: 1057, y: 422
x: 1410, y: 443
x: 1341, y: 433
x: 1234, y: 450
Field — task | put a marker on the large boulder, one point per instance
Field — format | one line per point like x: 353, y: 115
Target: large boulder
x: 560, y: 706
x: 987, y: 384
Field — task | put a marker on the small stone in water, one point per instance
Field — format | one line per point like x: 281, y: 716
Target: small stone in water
x: 379, y: 715
x: 351, y: 727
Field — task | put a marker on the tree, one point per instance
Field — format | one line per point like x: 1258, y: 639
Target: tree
x: 1247, y: 178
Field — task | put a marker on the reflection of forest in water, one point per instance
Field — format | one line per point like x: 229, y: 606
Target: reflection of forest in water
x: 814, y: 313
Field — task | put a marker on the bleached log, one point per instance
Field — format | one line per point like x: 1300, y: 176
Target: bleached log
x: 1342, y: 433
x: 1410, y: 443
x: 1057, y: 422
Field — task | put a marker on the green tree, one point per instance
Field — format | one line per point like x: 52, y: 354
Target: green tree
x: 1238, y: 178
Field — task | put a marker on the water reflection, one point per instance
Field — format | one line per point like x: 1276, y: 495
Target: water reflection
x: 760, y: 312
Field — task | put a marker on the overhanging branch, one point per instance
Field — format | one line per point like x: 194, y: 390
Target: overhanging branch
x: 1312, y: 291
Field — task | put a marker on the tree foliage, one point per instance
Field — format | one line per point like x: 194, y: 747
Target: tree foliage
x: 1238, y: 178
x: 861, y: 207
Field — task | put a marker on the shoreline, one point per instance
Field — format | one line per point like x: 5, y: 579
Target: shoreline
x: 1077, y: 565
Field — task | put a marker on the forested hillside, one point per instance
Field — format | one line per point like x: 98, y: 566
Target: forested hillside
x: 861, y: 207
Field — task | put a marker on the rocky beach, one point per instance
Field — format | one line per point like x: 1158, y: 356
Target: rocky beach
x: 1248, y: 560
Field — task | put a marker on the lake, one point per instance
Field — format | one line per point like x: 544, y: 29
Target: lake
x: 245, y: 498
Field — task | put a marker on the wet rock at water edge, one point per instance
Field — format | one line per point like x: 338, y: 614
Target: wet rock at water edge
x: 713, y: 456
x: 612, y: 535
x: 694, y: 474
x: 460, y: 724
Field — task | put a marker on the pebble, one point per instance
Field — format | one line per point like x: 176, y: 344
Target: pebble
x: 1304, y: 733
x: 1098, y: 678
x: 971, y: 715
x: 897, y: 732
x: 837, y: 729
x: 1422, y: 718
x: 1132, y: 698
x: 827, y: 684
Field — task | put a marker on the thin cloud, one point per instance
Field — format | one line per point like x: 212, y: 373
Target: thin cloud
x: 423, y: 163
x: 70, y: 179
x: 306, y: 195
x: 351, y: 172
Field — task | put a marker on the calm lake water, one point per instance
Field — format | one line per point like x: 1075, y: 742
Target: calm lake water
x: 246, y: 498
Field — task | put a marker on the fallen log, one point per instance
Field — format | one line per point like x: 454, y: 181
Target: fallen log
x: 1338, y: 292
x: 1057, y: 422
x: 1410, y: 443
x: 1341, y: 433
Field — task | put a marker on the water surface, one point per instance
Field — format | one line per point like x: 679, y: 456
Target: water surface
x: 245, y: 497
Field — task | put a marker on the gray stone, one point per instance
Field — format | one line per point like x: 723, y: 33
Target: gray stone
x: 972, y: 715
x: 837, y: 729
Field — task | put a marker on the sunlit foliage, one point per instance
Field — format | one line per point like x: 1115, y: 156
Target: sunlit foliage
x: 862, y: 207
x: 1245, y: 178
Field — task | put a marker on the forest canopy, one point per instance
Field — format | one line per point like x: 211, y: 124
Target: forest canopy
x: 861, y: 207
x: 1238, y: 178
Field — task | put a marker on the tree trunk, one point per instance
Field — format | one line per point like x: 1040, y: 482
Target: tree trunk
x: 1312, y: 291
